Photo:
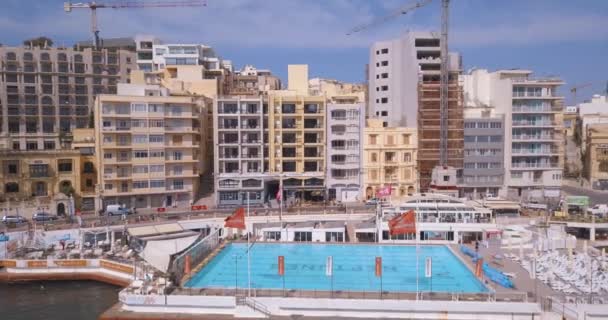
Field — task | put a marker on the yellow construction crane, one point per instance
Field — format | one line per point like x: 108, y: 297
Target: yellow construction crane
x: 575, y: 89
x: 93, y: 6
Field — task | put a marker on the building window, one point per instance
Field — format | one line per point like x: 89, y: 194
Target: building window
x: 49, y: 145
x: 140, y: 184
x: 31, y: 145
x: 482, y: 125
x: 384, y: 100
x: 64, y: 166
x: 603, y: 166
x: 108, y: 186
x: 334, y: 236
x: 302, y: 236
x: 89, y: 183
x: 16, y: 146
x: 229, y: 196
x: 517, y: 175
x: 140, y: 154
x: 384, y: 63
x: 407, y: 157
x: 374, y: 157
x: 12, y: 168
x: 372, y: 139
x: 157, y: 183
x: 495, y: 125
x: 11, y: 187
x: 469, y: 125
x: 384, y: 88
x: 384, y: 51
x: 384, y: 113
x: 272, y: 235
x: 384, y: 75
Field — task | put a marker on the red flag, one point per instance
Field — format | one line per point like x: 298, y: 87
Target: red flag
x: 281, y: 265
x: 384, y: 191
x: 279, y: 194
x: 403, y: 223
x: 236, y: 220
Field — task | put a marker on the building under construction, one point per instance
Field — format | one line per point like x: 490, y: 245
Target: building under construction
x: 429, y: 123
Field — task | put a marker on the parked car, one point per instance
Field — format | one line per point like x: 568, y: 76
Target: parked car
x: 44, y: 216
x: 13, y: 219
x: 117, y: 210
x: 375, y: 201
x: 599, y: 210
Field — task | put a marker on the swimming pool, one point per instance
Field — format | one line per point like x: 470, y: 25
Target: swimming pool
x: 353, y: 268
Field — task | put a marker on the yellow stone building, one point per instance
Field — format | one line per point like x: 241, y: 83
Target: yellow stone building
x: 40, y: 179
x: 597, y: 156
x: 390, y: 155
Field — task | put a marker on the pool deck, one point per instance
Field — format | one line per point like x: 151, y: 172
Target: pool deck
x: 522, y: 280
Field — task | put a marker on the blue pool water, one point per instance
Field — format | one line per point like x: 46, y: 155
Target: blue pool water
x: 354, y: 267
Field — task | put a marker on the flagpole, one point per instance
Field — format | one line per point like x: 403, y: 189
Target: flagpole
x: 281, y: 200
x: 417, y: 264
x: 248, y: 254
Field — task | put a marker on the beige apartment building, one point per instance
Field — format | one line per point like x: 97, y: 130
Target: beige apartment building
x: 597, y: 156
x: 390, y: 155
x: 149, y: 146
x: 45, y: 93
x: 296, y: 135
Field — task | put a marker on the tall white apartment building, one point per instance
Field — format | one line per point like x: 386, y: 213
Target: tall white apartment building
x: 533, y: 121
x: 148, y: 146
x: 395, y: 68
x: 345, y: 124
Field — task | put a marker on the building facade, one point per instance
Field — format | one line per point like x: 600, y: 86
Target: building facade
x: 241, y: 151
x: 597, y: 156
x: 395, y: 69
x: 251, y: 81
x: 45, y: 93
x: 390, y: 157
x: 533, y: 142
x: 41, y: 179
x: 297, y: 139
x: 483, y: 170
x: 345, y: 124
x: 149, y: 146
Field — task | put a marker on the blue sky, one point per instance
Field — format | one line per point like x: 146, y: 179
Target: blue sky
x: 551, y: 37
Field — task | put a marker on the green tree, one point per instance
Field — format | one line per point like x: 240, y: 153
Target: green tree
x: 40, y: 42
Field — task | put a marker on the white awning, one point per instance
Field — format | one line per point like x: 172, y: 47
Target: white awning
x: 158, y: 253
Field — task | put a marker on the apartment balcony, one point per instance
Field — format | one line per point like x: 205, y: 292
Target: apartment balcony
x: 228, y: 109
x: 179, y: 129
x: 537, y: 109
x: 183, y: 144
x: 229, y: 141
x: 180, y: 115
x: 231, y: 126
x: 116, y: 145
x: 535, y: 152
x: 537, y: 166
x: 534, y: 138
x: 116, y: 177
x: 254, y: 126
x: 524, y: 123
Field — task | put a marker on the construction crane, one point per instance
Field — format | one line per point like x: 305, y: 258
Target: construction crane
x: 93, y: 6
x: 575, y: 89
x: 392, y: 15
x: 444, y: 79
